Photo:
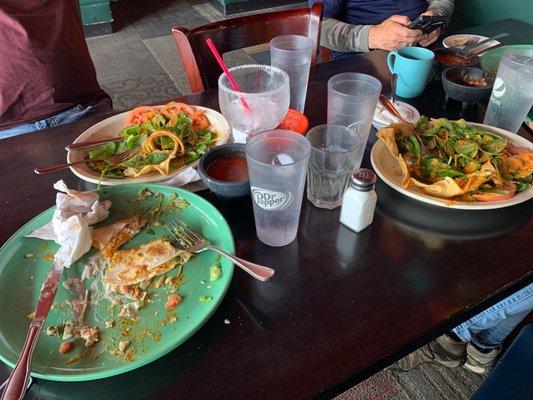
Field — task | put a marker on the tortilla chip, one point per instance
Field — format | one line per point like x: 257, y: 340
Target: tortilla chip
x: 405, y: 171
x: 449, y: 187
x: 388, y: 137
x: 444, y: 188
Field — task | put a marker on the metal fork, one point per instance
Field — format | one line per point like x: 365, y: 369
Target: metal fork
x: 117, y: 158
x: 470, y: 41
x: 195, y: 243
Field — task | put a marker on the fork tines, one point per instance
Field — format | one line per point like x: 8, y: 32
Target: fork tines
x: 185, y: 236
x: 471, y: 41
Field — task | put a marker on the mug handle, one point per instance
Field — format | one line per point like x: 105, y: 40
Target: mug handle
x: 391, y: 59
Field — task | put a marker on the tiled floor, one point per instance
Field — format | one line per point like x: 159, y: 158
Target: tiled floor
x: 139, y: 64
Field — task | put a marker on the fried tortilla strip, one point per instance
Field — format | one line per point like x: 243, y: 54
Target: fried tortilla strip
x: 388, y: 137
x: 149, y: 146
x: 109, y: 238
x: 127, y: 267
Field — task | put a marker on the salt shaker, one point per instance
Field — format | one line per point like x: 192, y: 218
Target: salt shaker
x: 359, y: 201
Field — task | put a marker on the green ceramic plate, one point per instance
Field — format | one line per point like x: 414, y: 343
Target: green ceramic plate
x: 491, y: 59
x: 24, y: 263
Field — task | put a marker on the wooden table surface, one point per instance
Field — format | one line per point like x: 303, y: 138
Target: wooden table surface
x: 341, y: 307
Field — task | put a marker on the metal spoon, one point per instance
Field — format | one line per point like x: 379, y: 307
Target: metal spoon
x: 393, y: 82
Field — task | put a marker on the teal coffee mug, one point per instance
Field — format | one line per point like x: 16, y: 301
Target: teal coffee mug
x: 413, y: 66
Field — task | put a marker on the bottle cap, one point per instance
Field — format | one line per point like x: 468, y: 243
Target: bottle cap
x: 363, y: 180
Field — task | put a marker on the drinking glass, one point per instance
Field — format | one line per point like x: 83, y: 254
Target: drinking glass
x: 352, y: 99
x: 331, y: 163
x: 292, y: 54
x: 264, y: 88
x: 277, y: 164
x: 512, y: 94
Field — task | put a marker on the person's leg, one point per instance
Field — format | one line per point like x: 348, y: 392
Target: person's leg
x: 486, y: 330
x: 489, y: 329
x: 64, y: 117
x: 18, y: 130
x: 68, y: 116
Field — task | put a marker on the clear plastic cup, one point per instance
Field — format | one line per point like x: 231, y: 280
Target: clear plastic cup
x: 292, y: 54
x: 352, y: 99
x: 277, y: 165
x: 331, y: 163
x: 512, y: 94
x: 265, y: 89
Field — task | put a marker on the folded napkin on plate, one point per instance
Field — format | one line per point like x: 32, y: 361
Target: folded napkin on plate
x: 69, y: 227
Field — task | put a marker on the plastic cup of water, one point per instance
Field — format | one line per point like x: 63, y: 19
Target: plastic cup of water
x: 277, y: 165
x: 352, y: 99
x: 512, y: 94
x: 331, y: 163
x: 292, y: 54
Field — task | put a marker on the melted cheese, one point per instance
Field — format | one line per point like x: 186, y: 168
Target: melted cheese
x: 109, y: 238
x: 131, y: 266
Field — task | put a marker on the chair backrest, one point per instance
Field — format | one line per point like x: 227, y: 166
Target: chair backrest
x: 201, y: 67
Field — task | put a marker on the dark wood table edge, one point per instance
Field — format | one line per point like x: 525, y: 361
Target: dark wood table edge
x: 415, y: 344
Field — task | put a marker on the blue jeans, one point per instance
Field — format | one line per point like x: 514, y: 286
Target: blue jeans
x: 64, y: 117
x: 489, y: 329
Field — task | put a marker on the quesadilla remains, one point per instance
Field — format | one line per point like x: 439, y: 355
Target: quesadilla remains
x: 131, y: 266
x: 109, y: 238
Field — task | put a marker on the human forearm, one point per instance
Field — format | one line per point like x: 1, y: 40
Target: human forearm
x: 340, y: 36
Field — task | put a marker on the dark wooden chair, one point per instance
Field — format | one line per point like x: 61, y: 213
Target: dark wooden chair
x: 201, y: 67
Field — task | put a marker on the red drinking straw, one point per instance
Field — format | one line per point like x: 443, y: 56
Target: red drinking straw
x: 232, y: 82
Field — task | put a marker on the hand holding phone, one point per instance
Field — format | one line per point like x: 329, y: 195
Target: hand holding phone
x: 427, y: 23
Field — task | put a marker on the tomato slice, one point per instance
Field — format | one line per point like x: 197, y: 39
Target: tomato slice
x: 499, y: 193
x: 295, y: 121
x: 173, y: 108
x: 140, y: 115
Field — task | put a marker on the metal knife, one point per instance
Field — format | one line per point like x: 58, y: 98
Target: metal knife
x: 16, y: 386
x: 474, y: 45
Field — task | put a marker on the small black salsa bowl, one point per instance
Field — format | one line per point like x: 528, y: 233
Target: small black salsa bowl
x: 452, y: 55
x: 223, y: 189
x: 467, y: 84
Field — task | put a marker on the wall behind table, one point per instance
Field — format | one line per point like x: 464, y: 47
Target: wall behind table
x: 478, y: 12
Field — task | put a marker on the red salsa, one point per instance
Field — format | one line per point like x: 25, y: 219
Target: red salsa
x: 452, y: 59
x: 231, y: 169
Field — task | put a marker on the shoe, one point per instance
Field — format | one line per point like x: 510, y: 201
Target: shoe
x: 443, y: 350
x: 479, y: 362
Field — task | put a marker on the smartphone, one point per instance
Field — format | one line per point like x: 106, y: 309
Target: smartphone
x: 427, y: 23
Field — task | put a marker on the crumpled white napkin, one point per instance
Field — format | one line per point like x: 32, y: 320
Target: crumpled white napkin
x: 69, y: 227
x: 186, y: 176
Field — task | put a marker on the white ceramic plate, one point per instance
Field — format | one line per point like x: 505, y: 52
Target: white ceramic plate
x: 388, y: 170
x: 109, y: 127
x: 459, y: 40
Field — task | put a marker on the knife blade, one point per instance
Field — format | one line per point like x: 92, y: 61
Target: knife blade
x: 16, y: 385
x: 474, y: 45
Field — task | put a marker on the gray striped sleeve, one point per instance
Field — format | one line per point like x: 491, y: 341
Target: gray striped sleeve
x: 340, y: 36
x: 442, y: 7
